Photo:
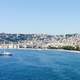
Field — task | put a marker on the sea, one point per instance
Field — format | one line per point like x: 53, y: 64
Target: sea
x: 40, y: 65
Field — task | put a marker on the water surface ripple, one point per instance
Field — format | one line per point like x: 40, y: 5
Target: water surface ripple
x: 40, y: 65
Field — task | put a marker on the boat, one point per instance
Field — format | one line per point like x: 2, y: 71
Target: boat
x: 4, y: 53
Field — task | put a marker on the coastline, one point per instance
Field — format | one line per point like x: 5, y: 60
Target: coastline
x: 71, y: 51
x: 37, y: 49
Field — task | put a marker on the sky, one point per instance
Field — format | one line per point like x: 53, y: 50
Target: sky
x: 40, y: 16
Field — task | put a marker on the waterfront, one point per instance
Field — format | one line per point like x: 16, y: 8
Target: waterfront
x: 40, y: 65
x: 40, y: 41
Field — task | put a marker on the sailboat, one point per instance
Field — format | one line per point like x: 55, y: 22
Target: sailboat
x: 4, y: 53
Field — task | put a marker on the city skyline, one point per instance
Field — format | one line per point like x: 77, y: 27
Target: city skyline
x: 44, y: 16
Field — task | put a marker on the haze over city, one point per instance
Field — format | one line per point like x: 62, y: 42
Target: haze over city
x: 40, y: 16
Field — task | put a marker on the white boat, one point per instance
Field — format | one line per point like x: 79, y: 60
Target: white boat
x: 4, y: 53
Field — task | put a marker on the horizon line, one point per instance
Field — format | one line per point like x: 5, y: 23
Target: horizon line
x: 37, y: 33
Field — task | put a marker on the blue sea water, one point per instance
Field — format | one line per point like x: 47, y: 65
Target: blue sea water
x: 40, y: 65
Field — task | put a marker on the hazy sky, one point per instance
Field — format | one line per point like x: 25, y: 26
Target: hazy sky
x: 38, y: 16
